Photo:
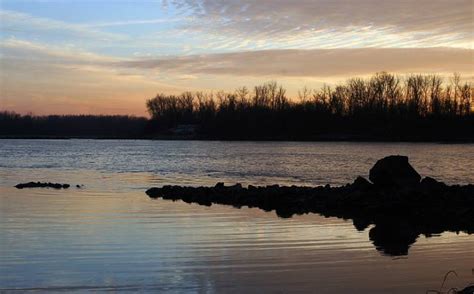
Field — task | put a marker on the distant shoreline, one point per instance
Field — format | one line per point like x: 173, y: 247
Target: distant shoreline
x: 264, y: 139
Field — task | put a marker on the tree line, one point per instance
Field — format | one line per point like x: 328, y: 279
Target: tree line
x: 383, y: 106
x: 80, y: 126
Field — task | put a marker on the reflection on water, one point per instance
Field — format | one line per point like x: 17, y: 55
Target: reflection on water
x: 397, y: 218
x: 95, y: 240
x: 111, y: 236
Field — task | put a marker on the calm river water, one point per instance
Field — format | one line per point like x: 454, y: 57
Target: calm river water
x: 109, y: 236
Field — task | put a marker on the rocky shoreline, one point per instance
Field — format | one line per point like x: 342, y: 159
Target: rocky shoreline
x: 42, y: 185
x: 45, y: 185
x: 397, y: 204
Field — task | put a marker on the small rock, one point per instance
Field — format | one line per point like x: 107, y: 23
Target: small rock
x: 361, y: 184
x: 429, y: 184
x: 467, y: 290
x: 237, y: 186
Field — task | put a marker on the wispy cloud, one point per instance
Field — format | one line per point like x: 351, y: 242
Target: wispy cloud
x: 371, y: 22
x: 133, y: 22
x: 23, y: 49
x: 280, y: 63
x: 315, y: 62
x: 17, y: 22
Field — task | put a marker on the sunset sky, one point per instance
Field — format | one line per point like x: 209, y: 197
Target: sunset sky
x: 109, y: 56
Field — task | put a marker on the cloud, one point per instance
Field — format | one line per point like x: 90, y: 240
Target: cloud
x: 33, y: 51
x: 416, y: 22
x: 46, y: 79
x: 17, y: 22
x: 315, y: 62
x: 278, y: 63
x: 132, y: 22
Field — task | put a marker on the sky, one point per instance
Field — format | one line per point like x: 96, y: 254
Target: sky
x: 110, y: 56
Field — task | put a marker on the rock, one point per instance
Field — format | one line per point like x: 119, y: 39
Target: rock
x: 467, y: 290
x: 394, y: 171
x: 252, y: 188
x: 236, y: 187
x: 154, y: 192
x: 361, y: 184
x: 430, y: 185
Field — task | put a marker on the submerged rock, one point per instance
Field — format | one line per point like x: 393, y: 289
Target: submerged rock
x: 394, y: 171
x: 42, y: 185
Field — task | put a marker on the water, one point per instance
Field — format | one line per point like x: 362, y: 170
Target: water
x: 109, y: 236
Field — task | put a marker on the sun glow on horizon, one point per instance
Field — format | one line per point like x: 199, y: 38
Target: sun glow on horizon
x: 108, y: 58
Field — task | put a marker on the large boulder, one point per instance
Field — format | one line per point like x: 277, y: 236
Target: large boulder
x: 394, y: 171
